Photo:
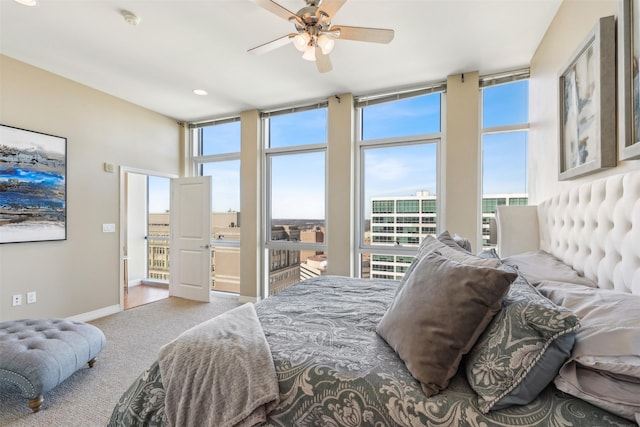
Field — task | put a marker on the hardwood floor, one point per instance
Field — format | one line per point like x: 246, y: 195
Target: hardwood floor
x: 144, y: 294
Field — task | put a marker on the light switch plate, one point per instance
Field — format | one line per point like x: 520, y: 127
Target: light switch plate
x: 108, y: 228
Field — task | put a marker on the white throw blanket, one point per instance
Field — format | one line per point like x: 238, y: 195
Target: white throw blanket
x: 220, y: 373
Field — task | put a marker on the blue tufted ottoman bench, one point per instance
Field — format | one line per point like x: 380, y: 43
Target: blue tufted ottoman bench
x: 38, y: 354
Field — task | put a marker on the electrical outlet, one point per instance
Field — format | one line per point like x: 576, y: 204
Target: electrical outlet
x: 31, y: 297
x: 17, y: 300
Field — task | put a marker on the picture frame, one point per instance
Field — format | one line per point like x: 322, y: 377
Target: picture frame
x: 629, y: 78
x: 33, y: 185
x: 587, y: 104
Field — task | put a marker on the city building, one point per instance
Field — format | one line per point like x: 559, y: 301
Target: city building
x: 286, y: 266
x: 225, y: 260
x: 406, y: 220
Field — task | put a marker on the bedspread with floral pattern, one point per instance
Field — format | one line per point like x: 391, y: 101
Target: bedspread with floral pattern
x: 334, y: 370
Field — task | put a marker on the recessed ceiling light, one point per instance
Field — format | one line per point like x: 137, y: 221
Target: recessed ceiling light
x: 28, y: 2
x: 200, y: 92
x: 130, y: 17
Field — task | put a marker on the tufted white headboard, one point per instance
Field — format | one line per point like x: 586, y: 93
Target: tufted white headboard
x: 594, y: 228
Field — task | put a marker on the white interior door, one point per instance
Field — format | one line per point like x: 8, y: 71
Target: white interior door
x: 190, y: 244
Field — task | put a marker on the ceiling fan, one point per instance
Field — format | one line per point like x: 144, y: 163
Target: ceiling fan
x: 315, y: 36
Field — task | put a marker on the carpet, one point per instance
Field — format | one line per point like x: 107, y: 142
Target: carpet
x: 134, y: 338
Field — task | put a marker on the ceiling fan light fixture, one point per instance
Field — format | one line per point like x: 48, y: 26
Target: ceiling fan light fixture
x: 301, y: 41
x: 309, y: 53
x: 326, y: 44
x: 314, y: 36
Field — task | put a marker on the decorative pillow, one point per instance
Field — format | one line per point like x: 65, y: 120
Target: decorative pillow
x: 454, y: 241
x: 488, y: 253
x: 522, y: 349
x: 462, y: 256
x: 430, y: 243
x: 604, y: 368
x: 463, y: 242
x: 540, y: 265
x: 438, y: 315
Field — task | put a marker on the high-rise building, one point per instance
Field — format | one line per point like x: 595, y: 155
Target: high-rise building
x: 405, y: 220
x: 399, y: 220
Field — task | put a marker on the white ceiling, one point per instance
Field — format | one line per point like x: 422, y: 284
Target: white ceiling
x: 181, y: 45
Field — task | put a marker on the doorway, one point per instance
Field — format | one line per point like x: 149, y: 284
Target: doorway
x: 145, y: 219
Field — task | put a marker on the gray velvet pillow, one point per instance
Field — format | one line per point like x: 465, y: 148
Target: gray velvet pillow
x: 455, y: 253
x: 488, y: 253
x: 439, y: 314
x: 522, y: 349
x: 454, y: 241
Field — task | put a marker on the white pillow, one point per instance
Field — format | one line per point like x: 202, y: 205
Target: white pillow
x: 539, y: 265
x: 604, y: 367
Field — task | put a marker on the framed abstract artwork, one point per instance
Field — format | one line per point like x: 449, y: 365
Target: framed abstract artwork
x: 33, y: 186
x: 629, y: 78
x: 587, y: 104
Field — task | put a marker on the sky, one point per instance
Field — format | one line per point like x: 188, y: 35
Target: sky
x: 388, y: 171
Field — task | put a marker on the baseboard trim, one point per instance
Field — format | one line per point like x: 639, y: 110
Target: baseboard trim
x: 96, y: 314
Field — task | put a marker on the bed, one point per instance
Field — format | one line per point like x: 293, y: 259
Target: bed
x: 341, y: 357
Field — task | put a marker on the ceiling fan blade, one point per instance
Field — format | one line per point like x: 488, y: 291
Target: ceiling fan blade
x: 330, y: 7
x: 272, y: 45
x: 279, y: 10
x: 322, y: 61
x: 363, y: 34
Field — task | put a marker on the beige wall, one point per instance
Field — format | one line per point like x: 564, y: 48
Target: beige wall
x: 79, y: 275
x: 250, y: 207
x: 340, y: 185
x: 461, y: 158
x: 569, y: 28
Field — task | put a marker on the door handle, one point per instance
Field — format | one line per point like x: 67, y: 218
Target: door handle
x: 205, y: 247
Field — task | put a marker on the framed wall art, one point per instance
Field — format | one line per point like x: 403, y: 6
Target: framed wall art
x: 629, y: 55
x: 587, y: 104
x: 33, y: 188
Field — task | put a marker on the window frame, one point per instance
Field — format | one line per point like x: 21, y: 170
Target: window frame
x: 488, y: 82
x: 279, y: 244
x: 397, y: 250
x: 199, y: 160
x: 268, y: 153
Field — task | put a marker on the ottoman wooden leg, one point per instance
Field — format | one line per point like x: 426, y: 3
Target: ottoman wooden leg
x: 36, y: 403
x: 92, y: 362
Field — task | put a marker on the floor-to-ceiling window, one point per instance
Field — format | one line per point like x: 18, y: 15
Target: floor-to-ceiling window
x: 295, y: 145
x: 398, y: 140
x: 397, y: 154
x: 217, y: 145
x: 505, y: 131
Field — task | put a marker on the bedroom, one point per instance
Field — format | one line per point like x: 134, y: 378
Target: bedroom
x: 75, y: 281
x: 62, y: 284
